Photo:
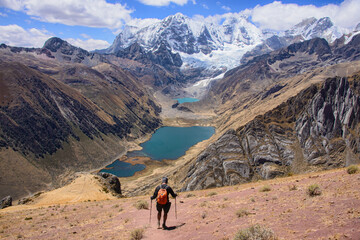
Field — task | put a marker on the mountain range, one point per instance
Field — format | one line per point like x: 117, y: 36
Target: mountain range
x: 213, y: 43
x: 64, y: 109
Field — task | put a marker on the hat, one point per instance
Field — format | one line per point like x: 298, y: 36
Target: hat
x: 165, y: 180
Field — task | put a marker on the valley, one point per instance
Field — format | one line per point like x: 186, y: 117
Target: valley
x: 254, y: 123
x: 270, y: 110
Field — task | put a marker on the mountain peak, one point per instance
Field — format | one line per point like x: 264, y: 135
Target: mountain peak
x: 54, y: 43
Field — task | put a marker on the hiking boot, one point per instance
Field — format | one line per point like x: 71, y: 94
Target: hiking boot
x: 164, y: 226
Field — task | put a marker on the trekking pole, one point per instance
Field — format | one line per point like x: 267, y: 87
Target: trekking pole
x: 175, y: 209
x: 150, y: 211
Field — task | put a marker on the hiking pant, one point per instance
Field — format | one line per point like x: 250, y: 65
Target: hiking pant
x: 166, y: 207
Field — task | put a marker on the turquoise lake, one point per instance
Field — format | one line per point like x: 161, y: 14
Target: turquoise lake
x: 123, y: 169
x: 184, y: 100
x: 166, y: 143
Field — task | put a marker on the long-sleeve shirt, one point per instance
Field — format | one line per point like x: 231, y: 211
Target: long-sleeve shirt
x: 168, y: 189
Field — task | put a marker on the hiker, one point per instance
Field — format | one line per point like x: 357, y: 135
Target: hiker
x: 162, y: 200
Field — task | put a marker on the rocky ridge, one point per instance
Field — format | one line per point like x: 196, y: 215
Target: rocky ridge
x: 215, y: 45
x: 268, y: 69
x: 305, y: 30
x: 318, y: 128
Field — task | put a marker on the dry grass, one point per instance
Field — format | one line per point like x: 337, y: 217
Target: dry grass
x: 255, y: 232
x: 314, y: 190
x: 241, y: 213
x: 211, y: 194
x: 190, y: 195
x: 141, y: 204
x: 265, y: 188
x: 352, y: 169
x: 137, y: 234
x: 292, y: 187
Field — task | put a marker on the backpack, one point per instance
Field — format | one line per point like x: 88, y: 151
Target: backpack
x: 162, y: 197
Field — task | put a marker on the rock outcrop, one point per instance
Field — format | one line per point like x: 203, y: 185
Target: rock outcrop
x: 6, y: 202
x: 65, y: 52
x: 317, y: 129
x: 110, y: 182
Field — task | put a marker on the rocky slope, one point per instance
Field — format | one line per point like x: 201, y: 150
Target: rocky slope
x: 318, y: 128
x: 50, y: 129
x: 159, y: 68
x: 267, y: 69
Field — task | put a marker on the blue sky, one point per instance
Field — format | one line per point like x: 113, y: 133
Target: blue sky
x: 94, y: 24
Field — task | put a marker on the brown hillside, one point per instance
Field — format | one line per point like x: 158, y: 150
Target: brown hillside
x: 287, y: 209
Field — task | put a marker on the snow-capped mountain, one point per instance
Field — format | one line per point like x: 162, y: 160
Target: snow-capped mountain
x: 191, y: 35
x: 311, y: 28
x: 217, y: 43
x: 305, y: 30
x: 200, y: 42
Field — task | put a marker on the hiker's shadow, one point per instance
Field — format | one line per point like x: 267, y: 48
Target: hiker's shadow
x: 174, y: 227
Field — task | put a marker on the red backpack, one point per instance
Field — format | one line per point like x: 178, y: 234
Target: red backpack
x: 162, y: 196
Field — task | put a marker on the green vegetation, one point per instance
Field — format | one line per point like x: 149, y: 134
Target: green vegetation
x: 265, y: 188
x: 137, y: 234
x: 255, y: 232
x: 141, y: 204
x: 28, y: 218
x: 314, y: 190
x: 352, y: 169
x: 241, y: 213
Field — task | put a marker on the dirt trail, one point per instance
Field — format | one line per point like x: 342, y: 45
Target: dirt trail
x: 207, y: 214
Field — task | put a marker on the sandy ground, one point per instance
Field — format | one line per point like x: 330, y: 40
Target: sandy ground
x: 79, y: 211
x: 174, y: 117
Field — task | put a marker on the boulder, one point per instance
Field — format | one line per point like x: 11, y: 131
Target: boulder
x: 110, y: 181
x: 6, y: 202
x: 270, y: 170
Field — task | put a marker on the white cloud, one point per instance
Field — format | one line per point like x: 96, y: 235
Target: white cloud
x: 142, y: 23
x: 15, y: 35
x: 84, y: 35
x: 226, y: 8
x: 89, y: 44
x: 205, y: 6
x: 279, y: 16
x: 160, y: 3
x: 90, y: 13
x: 3, y: 14
x: 16, y: 5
